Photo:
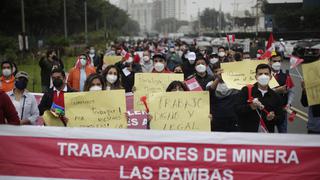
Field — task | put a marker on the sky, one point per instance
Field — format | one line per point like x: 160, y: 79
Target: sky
x: 226, y: 5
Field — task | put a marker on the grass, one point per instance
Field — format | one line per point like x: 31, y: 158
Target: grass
x: 33, y: 69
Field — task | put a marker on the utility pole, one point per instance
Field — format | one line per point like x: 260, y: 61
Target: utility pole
x: 257, y: 17
x: 65, y: 19
x: 85, y: 22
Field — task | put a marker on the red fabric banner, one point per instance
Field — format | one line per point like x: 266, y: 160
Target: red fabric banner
x: 85, y: 153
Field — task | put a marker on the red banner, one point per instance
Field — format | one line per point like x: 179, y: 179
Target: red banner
x: 84, y: 153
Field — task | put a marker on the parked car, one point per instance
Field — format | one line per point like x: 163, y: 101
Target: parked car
x: 308, y: 49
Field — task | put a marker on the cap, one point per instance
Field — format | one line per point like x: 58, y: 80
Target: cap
x: 192, y: 56
x: 22, y: 74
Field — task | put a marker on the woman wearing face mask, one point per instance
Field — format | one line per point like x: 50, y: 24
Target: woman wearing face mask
x: 201, y: 74
x: 24, y: 102
x: 78, y: 74
x: 112, y: 78
x: 94, y: 82
x: 176, y: 86
x: 265, y: 104
x: 146, y: 63
x: 222, y: 54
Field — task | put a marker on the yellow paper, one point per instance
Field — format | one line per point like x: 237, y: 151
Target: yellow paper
x: 111, y: 59
x: 188, y: 111
x: 311, y: 75
x: 146, y: 83
x: 50, y: 120
x: 239, y: 74
x: 100, y: 109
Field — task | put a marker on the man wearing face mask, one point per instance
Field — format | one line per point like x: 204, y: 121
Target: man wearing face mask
x: 265, y: 103
x: 54, y: 98
x: 24, y: 102
x: 7, y: 77
x: 201, y: 74
x: 95, y: 59
x: 47, y: 64
x: 146, y: 63
x: 78, y: 74
x: 160, y: 64
x: 285, y: 90
x: 222, y: 101
x: 222, y: 54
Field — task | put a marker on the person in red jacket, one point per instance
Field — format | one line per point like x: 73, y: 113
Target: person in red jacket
x: 8, y: 113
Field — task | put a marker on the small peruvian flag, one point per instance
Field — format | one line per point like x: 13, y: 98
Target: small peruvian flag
x: 295, y: 61
x: 123, y: 52
x: 231, y: 38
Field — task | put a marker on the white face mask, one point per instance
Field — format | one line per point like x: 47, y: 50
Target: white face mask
x: 221, y: 54
x: 6, y: 72
x: 201, y: 68
x: 83, y: 62
x: 222, y: 87
x: 276, y: 66
x: 91, y: 51
x: 95, y: 88
x: 191, y: 61
x: 263, y: 80
x: 146, y: 58
x: 111, y: 78
x: 214, y: 60
x: 159, y: 67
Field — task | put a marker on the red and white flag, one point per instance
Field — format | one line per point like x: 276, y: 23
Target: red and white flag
x: 123, y: 52
x: 269, y: 49
x: 231, y: 38
x: 295, y: 61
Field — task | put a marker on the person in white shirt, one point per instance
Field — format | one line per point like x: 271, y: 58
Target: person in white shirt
x: 24, y: 102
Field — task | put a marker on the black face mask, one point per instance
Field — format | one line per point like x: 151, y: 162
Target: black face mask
x: 57, y: 83
x: 21, y: 84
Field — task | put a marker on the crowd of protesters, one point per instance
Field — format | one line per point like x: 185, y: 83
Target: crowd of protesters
x: 231, y: 110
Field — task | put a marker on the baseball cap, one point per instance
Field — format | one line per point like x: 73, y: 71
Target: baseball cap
x: 22, y: 74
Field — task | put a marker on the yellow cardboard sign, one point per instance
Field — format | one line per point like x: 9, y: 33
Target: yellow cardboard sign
x: 311, y: 75
x: 239, y: 74
x: 146, y: 83
x: 188, y: 111
x: 100, y: 109
x: 109, y: 60
x: 50, y: 120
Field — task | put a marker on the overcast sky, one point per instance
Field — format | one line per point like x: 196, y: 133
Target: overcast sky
x: 226, y: 5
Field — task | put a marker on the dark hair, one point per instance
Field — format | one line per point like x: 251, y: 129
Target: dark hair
x: 58, y: 70
x: 263, y: 66
x: 6, y: 62
x: 90, y: 78
x: 177, y: 65
x: 275, y: 55
x: 200, y: 57
x: 173, y: 84
x: 50, y: 52
x: 221, y: 47
x: 215, y: 66
x: 117, y: 84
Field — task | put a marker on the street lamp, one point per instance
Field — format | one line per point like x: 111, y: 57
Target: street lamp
x: 199, y: 25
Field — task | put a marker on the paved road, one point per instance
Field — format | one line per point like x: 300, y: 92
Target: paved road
x: 299, y: 124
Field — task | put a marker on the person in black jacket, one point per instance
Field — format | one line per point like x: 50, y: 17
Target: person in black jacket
x: 47, y: 64
x: 55, y: 96
x: 265, y: 103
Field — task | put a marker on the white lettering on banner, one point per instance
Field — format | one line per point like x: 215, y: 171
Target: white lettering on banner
x: 219, y: 155
x: 194, y: 173
x: 135, y: 173
x: 130, y: 151
x: 267, y: 156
